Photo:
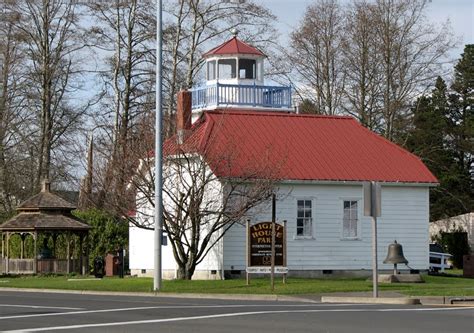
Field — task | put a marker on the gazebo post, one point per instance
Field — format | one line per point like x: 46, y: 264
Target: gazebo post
x: 35, y: 253
x: 87, y: 253
x: 7, y: 261
x: 22, y: 245
x: 81, y: 257
x: 2, y: 259
x: 55, y: 236
x: 68, y: 269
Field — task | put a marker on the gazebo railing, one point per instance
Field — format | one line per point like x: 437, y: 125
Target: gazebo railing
x: 18, y: 266
x: 221, y: 94
x: 26, y: 266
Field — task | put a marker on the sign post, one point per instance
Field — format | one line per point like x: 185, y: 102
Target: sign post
x: 284, y: 250
x: 247, y: 251
x: 272, y: 278
x: 373, y: 208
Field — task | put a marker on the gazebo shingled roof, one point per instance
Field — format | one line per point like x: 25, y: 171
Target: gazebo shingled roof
x: 45, y: 222
x: 45, y: 211
x: 45, y: 200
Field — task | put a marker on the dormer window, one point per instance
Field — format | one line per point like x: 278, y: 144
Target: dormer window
x: 227, y: 69
x: 247, y: 68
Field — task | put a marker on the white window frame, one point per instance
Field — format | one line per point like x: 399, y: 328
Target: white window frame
x: 211, y: 63
x: 358, y: 219
x: 234, y: 66
x: 310, y: 235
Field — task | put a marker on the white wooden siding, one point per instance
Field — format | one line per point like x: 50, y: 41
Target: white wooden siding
x: 141, y: 241
x: 404, y: 218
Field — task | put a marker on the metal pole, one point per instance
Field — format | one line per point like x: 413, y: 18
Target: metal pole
x: 284, y: 250
x: 272, y: 275
x: 158, y: 151
x: 374, y: 257
x: 247, y: 251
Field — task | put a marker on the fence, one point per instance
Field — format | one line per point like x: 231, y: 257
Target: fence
x: 26, y: 266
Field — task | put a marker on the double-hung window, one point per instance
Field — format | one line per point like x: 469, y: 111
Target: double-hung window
x: 350, y: 220
x: 304, y: 218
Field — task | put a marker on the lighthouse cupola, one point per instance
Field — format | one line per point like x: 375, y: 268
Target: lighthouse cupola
x: 234, y: 62
x: 235, y: 80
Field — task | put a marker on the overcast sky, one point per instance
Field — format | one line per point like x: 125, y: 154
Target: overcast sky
x: 459, y: 12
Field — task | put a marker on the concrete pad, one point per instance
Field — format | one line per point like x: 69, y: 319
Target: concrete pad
x: 400, y: 278
x: 370, y: 300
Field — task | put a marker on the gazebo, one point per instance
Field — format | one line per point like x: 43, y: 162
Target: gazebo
x: 46, y: 216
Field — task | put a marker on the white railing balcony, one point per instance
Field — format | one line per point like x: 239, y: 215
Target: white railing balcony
x: 223, y: 95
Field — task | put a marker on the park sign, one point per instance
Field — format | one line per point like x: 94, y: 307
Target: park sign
x: 259, y: 252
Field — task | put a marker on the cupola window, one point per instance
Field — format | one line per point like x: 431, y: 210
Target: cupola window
x: 211, y: 70
x: 227, y: 69
x: 247, y: 69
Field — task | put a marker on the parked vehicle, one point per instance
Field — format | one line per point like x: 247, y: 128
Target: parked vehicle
x: 439, y: 259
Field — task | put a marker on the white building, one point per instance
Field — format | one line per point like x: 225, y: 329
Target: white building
x: 318, y: 163
x: 464, y: 222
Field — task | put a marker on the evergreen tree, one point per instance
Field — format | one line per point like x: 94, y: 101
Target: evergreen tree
x: 443, y: 138
x: 461, y: 125
x: 428, y: 141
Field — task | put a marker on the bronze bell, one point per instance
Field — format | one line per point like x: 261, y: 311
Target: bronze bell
x: 395, y: 256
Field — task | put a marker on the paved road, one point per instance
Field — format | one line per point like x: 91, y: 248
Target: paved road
x: 33, y: 312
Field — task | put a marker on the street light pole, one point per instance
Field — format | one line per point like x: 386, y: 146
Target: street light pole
x: 158, y: 152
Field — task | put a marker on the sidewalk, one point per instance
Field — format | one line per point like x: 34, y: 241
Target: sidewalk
x: 390, y: 297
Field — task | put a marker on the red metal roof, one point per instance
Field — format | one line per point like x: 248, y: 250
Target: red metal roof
x: 284, y: 146
x: 234, y: 46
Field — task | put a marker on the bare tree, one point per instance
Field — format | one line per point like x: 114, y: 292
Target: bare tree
x: 412, y: 51
x: 201, y: 203
x: 361, y: 63
x: 316, y: 54
x: 371, y: 60
x: 49, y: 34
x: 10, y: 113
x: 123, y: 33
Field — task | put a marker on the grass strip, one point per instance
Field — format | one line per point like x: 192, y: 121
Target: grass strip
x: 434, y: 285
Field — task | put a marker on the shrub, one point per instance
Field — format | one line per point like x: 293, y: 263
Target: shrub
x: 107, y: 235
x: 456, y: 243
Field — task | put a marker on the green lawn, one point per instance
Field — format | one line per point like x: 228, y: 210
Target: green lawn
x: 434, y: 286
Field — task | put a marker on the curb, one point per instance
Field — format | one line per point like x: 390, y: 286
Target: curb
x: 236, y: 297
x: 370, y: 300
x: 424, y: 300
